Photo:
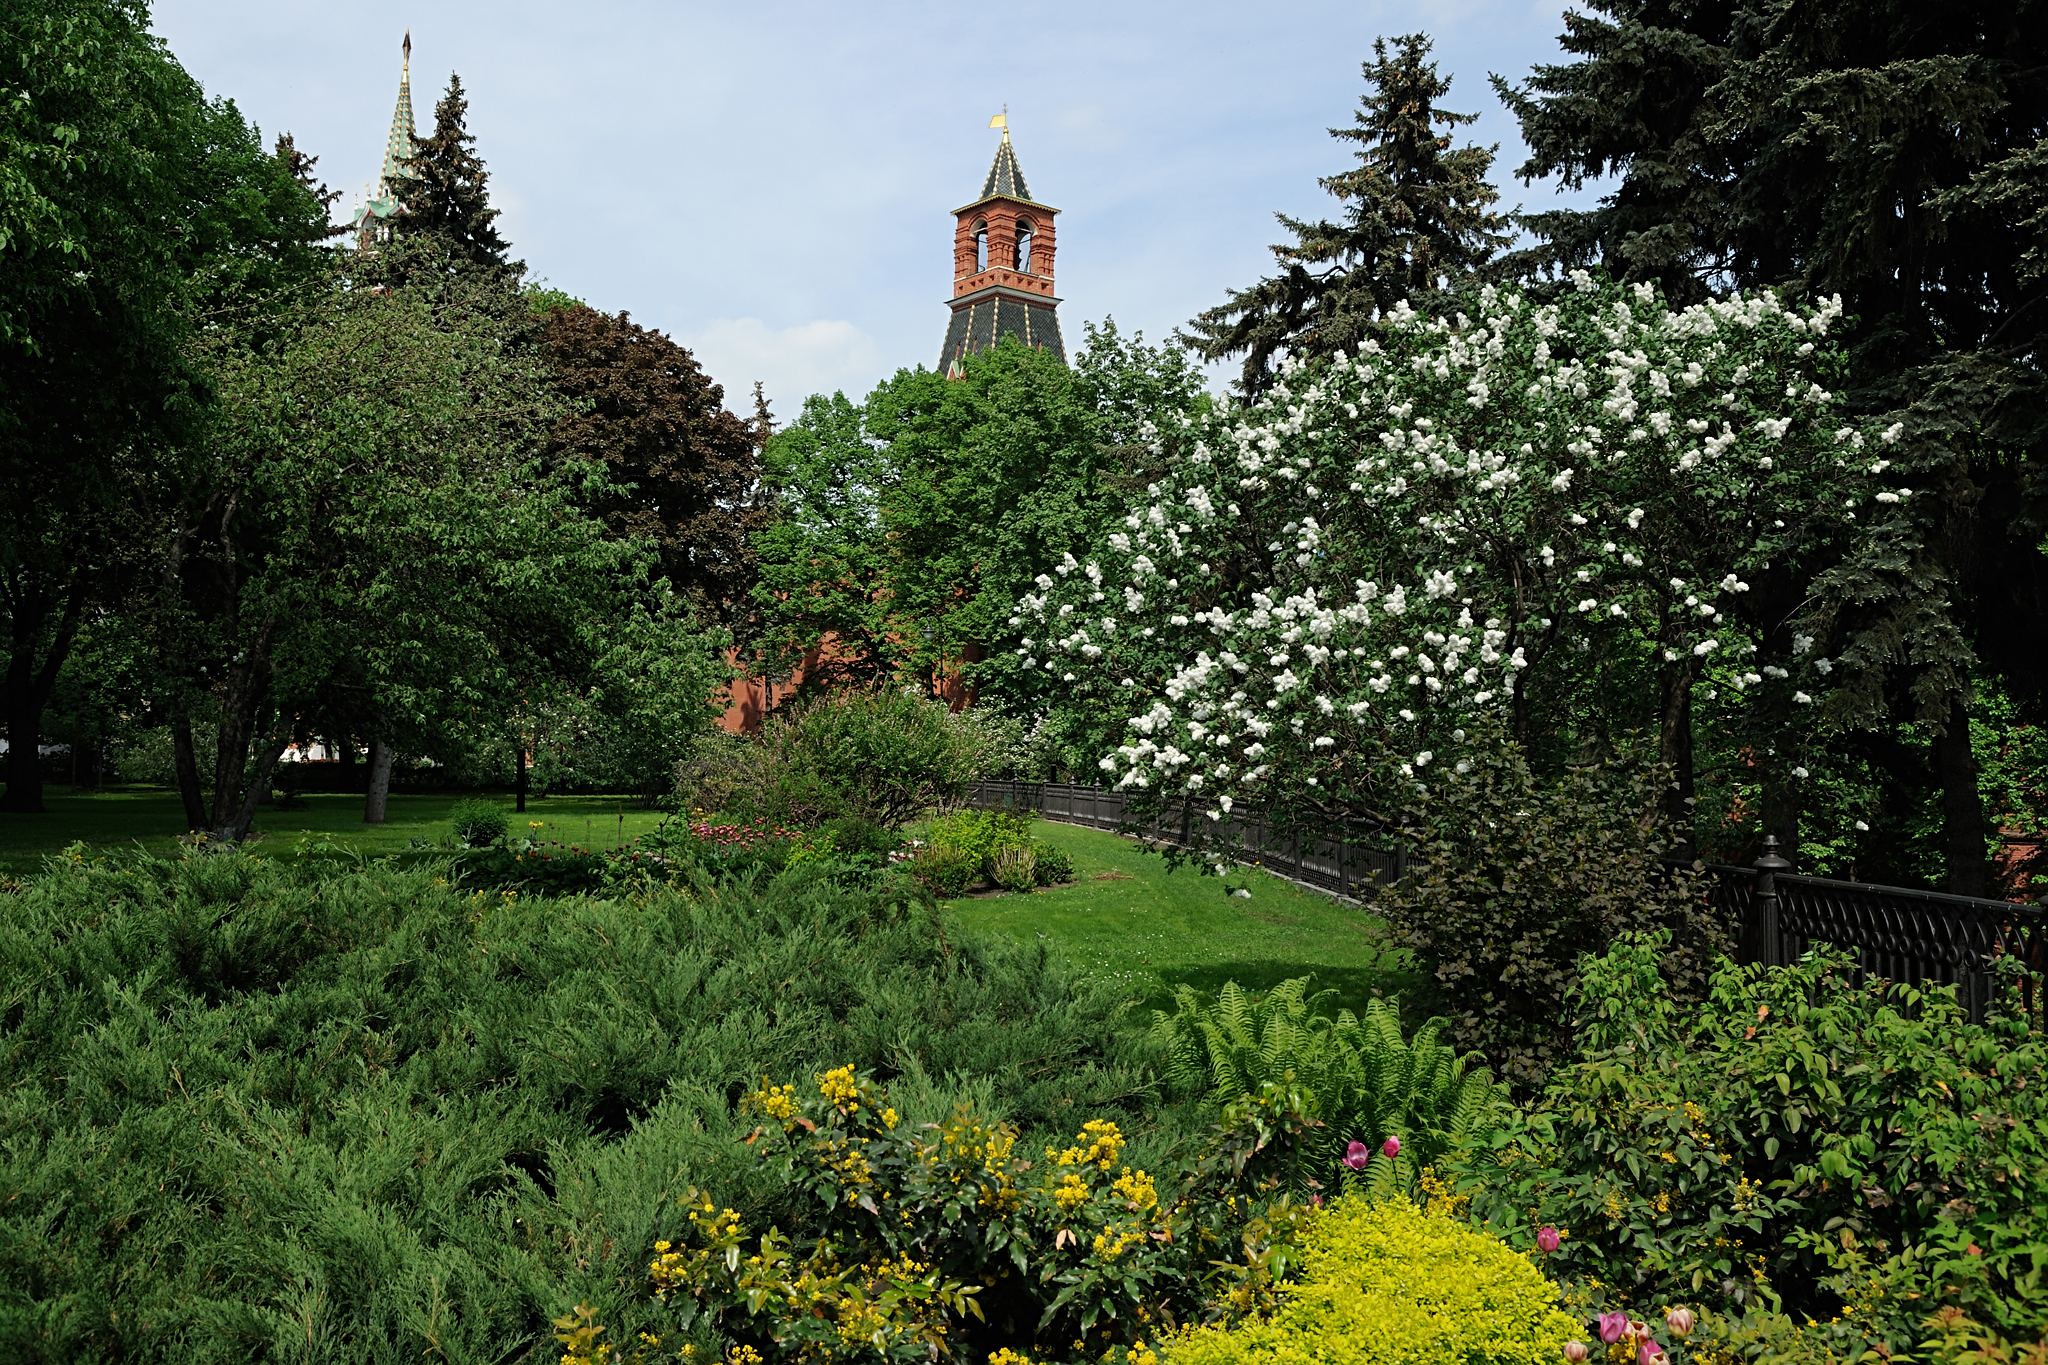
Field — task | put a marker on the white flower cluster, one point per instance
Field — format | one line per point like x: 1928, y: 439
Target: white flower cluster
x: 1326, y: 588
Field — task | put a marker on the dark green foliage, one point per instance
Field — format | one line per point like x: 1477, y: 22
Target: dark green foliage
x: 445, y: 191
x: 686, y: 474
x: 1796, y: 1142
x: 1360, y: 1079
x: 1510, y: 880
x: 1417, y: 219
x: 255, y: 1109
x: 946, y: 871
x: 1890, y: 152
x: 478, y: 822
x: 1055, y: 865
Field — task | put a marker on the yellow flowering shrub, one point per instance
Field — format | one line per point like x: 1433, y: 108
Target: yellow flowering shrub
x: 945, y: 1241
x: 1384, y: 1283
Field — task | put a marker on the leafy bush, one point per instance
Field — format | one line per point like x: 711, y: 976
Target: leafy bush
x: 1053, y: 864
x: 1361, y: 1081
x: 1510, y: 881
x: 981, y: 833
x: 951, y: 1237
x: 1799, y: 1142
x: 1384, y: 1283
x: 251, y: 1102
x: 944, y: 870
x: 478, y: 822
x: 883, y: 758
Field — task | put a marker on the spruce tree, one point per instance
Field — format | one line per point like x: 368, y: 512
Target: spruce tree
x: 445, y: 193
x: 1892, y: 152
x: 1416, y: 213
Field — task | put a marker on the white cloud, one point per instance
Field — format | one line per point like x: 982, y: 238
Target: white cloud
x: 792, y: 362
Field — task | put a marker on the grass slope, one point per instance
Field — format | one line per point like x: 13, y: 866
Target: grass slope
x: 1126, y: 918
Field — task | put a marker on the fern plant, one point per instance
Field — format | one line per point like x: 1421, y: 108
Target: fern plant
x: 1364, y: 1082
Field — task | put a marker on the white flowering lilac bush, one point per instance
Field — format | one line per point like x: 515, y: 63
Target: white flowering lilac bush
x: 1320, y: 598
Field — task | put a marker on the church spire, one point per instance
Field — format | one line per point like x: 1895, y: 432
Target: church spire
x: 398, y: 149
x: 1002, y: 265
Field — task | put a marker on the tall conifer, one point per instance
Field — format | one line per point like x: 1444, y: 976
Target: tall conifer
x: 1890, y: 151
x: 1415, y: 212
x: 447, y: 191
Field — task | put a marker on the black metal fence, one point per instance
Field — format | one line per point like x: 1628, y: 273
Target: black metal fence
x: 1898, y: 933
x: 1346, y: 865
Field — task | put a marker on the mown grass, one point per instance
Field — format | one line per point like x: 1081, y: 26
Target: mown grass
x: 151, y: 817
x: 1126, y: 918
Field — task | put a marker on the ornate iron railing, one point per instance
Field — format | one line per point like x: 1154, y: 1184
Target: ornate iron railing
x: 1898, y: 933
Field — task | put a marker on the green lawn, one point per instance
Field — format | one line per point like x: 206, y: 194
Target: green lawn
x: 152, y: 817
x: 1126, y: 917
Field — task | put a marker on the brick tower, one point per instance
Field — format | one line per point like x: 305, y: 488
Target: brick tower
x: 1002, y: 266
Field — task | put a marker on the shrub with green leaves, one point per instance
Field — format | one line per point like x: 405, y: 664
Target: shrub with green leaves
x: 251, y: 1103
x: 1510, y: 879
x: 883, y: 758
x: 477, y: 822
x: 1385, y: 1283
x: 945, y: 870
x: 1802, y: 1141
x: 1360, y: 1079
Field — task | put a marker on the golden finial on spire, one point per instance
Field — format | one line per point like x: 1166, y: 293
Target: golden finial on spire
x: 405, y: 69
x: 1002, y: 121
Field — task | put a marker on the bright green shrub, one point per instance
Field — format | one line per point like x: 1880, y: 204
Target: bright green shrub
x: 1384, y: 1283
x: 982, y: 833
x: 477, y: 822
x: 1359, y: 1078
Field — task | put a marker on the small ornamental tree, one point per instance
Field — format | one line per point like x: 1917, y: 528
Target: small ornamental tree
x: 1320, y: 595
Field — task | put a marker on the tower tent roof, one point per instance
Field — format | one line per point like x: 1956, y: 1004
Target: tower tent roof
x: 1005, y: 176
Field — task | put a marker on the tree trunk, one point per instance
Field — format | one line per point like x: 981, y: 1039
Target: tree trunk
x: 519, y: 780
x: 28, y: 691
x: 237, y: 828
x: 1674, y: 746
x: 1962, y: 807
x: 188, y: 772
x: 379, y: 796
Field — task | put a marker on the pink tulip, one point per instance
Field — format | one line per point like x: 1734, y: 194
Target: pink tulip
x: 1392, y: 1147
x: 1613, y: 1326
x: 1546, y: 1239
x: 1649, y: 1353
x: 1680, y: 1321
x: 1357, y: 1155
x: 1576, y: 1352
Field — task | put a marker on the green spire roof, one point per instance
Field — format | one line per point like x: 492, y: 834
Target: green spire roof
x: 399, y: 145
x: 1006, y: 177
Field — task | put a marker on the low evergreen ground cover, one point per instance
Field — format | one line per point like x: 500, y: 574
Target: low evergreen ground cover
x: 122, y: 818
x: 282, y: 1109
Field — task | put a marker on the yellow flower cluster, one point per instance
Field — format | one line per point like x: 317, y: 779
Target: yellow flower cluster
x: 839, y: 1087
x: 1117, y: 1238
x: 1006, y: 1356
x: 1137, y: 1187
x: 1105, y: 1143
x: 1137, y: 1354
x: 776, y: 1101
x: 1071, y: 1191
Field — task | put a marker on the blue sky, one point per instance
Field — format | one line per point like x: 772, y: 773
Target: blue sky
x: 771, y: 184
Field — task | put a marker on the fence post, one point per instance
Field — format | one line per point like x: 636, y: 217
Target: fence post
x: 1770, y: 945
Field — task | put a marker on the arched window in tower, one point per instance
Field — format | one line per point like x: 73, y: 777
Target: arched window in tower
x: 1025, y: 233
x: 980, y: 247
